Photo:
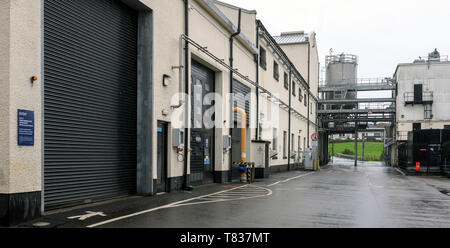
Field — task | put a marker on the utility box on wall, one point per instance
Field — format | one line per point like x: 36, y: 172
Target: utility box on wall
x: 178, y: 138
x: 260, y: 156
x: 311, y: 159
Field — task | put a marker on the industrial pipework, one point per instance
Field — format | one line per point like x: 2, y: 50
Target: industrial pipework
x: 243, y: 133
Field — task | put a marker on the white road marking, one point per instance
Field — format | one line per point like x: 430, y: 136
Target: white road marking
x: 273, y: 184
x: 304, y: 175
x: 401, y: 172
x: 88, y: 215
x: 290, y: 179
x: 187, y: 202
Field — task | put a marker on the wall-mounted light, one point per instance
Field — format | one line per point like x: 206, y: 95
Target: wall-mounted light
x: 166, y: 80
x: 33, y: 79
x: 165, y: 112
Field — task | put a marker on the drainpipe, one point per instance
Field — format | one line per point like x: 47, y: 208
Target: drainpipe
x: 231, y: 90
x: 309, y: 92
x: 187, y: 102
x: 257, y: 136
x: 290, y: 113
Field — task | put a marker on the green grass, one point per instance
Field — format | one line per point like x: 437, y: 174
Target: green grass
x: 372, y: 151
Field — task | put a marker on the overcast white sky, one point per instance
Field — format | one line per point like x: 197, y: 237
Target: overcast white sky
x: 382, y: 33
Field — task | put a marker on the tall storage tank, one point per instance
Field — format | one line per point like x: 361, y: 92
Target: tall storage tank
x: 341, y: 70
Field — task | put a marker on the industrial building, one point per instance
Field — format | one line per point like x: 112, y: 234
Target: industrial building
x: 343, y: 115
x: 422, y: 97
x: 100, y: 99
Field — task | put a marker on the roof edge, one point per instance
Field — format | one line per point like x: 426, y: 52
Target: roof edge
x: 248, y: 11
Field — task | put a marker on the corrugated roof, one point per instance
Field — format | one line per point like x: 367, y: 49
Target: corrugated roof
x: 292, y: 37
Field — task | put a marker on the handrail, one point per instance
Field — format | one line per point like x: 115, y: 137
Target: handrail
x: 341, y: 58
x: 359, y: 81
x: 426, y: 96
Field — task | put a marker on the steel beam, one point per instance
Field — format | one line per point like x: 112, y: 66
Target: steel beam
x: 359, y: 120
x: 331, y: 88
x: 361, y: 100
x: 357, y: 111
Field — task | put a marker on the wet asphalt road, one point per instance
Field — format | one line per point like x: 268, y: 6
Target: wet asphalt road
x: 339, y: 195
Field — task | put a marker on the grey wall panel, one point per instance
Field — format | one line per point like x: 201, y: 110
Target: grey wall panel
x: 90, y: 100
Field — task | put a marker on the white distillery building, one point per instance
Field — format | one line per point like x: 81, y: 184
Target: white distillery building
x: 423, y: 96
x: 87, y: 102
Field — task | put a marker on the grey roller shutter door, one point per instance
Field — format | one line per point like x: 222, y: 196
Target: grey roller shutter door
x: 90, y: 95
x: 241, y: 99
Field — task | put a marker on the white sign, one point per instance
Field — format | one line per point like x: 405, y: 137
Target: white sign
x: 315, y: 143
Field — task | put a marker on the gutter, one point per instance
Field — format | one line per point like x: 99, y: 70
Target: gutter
x: 212, y: 9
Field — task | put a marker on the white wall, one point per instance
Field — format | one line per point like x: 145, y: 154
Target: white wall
x: 20, y: 45
x: 435, y: 78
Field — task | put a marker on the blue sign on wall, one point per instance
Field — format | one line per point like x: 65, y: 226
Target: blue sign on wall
x: 25, y: 128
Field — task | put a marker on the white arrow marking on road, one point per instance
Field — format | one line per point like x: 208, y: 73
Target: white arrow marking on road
x: 88, y: 215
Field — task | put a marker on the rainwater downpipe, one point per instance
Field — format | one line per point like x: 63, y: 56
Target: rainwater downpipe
x: 186, y: 89
x: 308, y: 138
x: 257, y: 136
x: 289, y: 125
x: 230, y: 176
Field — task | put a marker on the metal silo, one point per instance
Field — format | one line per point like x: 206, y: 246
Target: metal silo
x: 341, y: 70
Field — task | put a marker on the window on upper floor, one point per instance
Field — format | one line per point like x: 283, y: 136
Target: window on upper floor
x: 275, y: 142
x: 262, y: 58
x: 276, y: 72
x: 300, y: 95
x: 306, y: 101
x: 294, y: 91
x: 286, y: 81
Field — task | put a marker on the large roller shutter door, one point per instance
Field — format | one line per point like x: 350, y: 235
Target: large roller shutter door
x: 202, y: 139
x: 241, y: 100
x: 90, y: 92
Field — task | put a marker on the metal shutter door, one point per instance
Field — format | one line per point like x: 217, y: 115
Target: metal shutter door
x: 241, y: 100
x: 206, y: 77
x: 90, y: 98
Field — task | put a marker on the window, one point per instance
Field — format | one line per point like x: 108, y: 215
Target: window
x: 306, y: 102
x: 286, y: 81
x: 293, y: 89
x: 285, y: 145
x: 300, y: 94
x: 293, y: 143
x: 276, y: 72
x: 262, y: 58
x: 299, y: 143
x: 275, y: 142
